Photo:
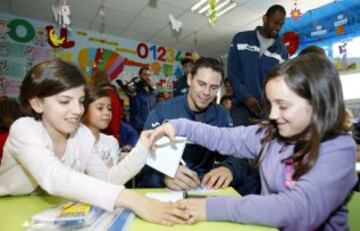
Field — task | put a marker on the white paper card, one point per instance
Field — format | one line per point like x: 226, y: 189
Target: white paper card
x: 172, y: 196
x: 167, y: 155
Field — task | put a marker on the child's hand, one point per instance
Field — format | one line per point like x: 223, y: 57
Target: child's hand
x: 152, y: 210
x: 196, y: 208
x: 165, y: 213
x: 145, y: 138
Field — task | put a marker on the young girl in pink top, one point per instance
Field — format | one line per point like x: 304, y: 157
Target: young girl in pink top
x: 51, y: 150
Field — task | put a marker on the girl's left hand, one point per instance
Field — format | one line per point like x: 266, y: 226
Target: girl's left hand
x: 165, y: 213
x: 164, y: 129
x: 196, y: 208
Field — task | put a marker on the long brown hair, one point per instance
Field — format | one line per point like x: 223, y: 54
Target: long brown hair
x: 314, y: 78
x: 48, y: 78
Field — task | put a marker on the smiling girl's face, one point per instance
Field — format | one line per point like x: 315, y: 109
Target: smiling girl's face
x: 291, y: 113
x: 61, y: 113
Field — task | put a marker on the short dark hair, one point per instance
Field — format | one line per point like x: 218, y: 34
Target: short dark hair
x: 143, y: 69
x: 274, y: 8
x: 313, y: 49
x: 94, y: 92
x: 185, y: 61
x: 46, y: 79
x: 225, y: 97
x: 207, y: 62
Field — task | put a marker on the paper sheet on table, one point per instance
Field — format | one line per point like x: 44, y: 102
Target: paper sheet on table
x: 172, y: 196
x: 167, y: 155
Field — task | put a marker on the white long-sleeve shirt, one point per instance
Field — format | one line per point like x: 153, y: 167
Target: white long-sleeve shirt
x: 29, y: 161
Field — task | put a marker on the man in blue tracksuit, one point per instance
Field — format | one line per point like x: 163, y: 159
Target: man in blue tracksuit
x: 251, y: 56
x: 142, y: 99
x: 204, y: 83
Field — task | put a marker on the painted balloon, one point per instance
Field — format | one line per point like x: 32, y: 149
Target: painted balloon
x: 91, y: 59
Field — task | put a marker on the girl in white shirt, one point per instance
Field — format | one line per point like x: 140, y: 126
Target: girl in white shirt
x: 51, y: 149
x: 97, y: 117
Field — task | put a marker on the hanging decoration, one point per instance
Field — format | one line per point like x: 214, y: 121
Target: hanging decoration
x: 102, y: 37
x: 102, y: 19
x: 194, y: 55
x: 291, y: 40
x: 295, y: 12
x: 59, y: 41
x: 175, y: 24
x: 212, y: 12
x: 62, y: 14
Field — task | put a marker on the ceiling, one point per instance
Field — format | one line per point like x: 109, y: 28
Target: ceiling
x: 148, y: 20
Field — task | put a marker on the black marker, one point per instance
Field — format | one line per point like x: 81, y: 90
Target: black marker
x: 186, y: 195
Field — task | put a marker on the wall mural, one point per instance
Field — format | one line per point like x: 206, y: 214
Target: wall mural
x: 25, y: 42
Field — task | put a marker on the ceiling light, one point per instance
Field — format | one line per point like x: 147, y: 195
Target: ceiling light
x: 197, y: 5
x: 206, y: 8
x: 230, y: 7
x: 224, y: 6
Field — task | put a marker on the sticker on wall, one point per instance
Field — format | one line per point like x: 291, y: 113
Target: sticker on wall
x: 167, y: 69
x: 4, y: 48
x: 40, y: 38
x: 291, y: 40
x: 155, y: 67
x: 3, y: 29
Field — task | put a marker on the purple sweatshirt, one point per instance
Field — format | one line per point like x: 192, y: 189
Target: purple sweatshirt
x: 315, y: 201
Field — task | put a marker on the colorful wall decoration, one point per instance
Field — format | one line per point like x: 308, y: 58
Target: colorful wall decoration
x: 25, y: 42
x: 335, y: 27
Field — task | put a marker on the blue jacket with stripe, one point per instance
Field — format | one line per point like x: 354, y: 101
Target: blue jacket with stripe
x: 247, y: 70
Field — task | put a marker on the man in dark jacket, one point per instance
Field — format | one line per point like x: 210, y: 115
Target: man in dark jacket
x: 203, y: 167
x: 251, y: 56
x: 142, y: 97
